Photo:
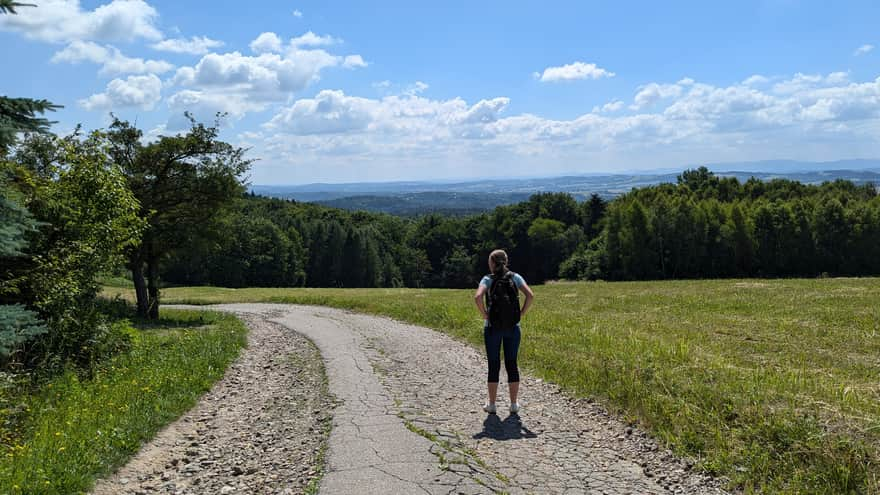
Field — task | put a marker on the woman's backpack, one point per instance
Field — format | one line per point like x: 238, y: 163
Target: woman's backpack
x: 503, y: 302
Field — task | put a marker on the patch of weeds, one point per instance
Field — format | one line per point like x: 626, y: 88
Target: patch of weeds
x: 80, y: 428
x: 418, y: 431
x: 326, y: 427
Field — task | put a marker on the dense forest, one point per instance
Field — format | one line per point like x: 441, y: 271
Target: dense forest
x: 703, y: 226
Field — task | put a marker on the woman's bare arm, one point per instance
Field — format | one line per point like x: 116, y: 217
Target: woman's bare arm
x: 478, y: 300
x: 525, y: 289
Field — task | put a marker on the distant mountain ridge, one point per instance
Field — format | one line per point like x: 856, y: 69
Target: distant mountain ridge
x: 465, y: 197
x: 794, y: 166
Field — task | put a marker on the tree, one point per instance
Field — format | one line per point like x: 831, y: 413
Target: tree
x: 17, y: 323
x: 257, y: 253
x: 614, y: 243
x: 548, y: 241
x: 639, y: 260
x: 182, y: 182
x: 592, y: 212
x: 743, y: 243
x: 19, y: 115
x: 831, y: 233
x: 457, y: 268
x: 88, y: 220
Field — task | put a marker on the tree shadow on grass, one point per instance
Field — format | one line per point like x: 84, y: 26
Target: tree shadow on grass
x: 511, y: 428
x: 171, y: 322
x: 120, y: 309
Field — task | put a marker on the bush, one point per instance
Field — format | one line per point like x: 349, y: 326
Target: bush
x: 80, y: 218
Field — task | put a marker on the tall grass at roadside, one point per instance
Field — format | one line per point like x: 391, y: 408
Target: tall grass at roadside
x: 774, y: 384
x: 76, y: 430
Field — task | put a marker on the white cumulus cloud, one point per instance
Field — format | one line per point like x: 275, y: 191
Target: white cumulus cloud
x: 756, y: 80
x: 404, y: 117
x: 328, y: 112
x: 353, y: 62
x: 196, y: 45
x: 863, y: 50
x: 679, y: 122
x: 134, y: 91
x: 111, y: 60
x: 650, y: 94
x: 312, y: 39
x: 205, y: 105
x: 62, y: 21
x: 273, y: 74
x: 266, y: 43
x: 572, y: 72
x: 611, y: 106
x: 269, y: 76
x: 802, y: 82
x: 297, y: 13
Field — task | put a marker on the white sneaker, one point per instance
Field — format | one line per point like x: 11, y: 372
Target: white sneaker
x: 514, y: 407
x: 490, y: 407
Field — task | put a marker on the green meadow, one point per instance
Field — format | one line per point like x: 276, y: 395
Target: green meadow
x: 74, y: 428
x: 773, y: 384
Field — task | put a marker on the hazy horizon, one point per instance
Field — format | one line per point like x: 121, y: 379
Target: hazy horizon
x: 388, y: 90
x: 872, y: 164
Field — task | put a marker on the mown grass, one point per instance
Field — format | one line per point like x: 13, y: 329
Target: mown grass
x: 774, y: 384
x: 76, y: 430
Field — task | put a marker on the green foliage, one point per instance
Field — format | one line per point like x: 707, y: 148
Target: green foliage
x: 15, y: 220
x: 17, y: 326
x: 19, y: 115
x: 308, y: 243
x: 183, y: 184
x: 74, y: 429
x: 258, y: 254
x: 457, y: 268
x: 583, y: 265
x: 87, y: 220
x: 706, y: 227
x: 702, y: 227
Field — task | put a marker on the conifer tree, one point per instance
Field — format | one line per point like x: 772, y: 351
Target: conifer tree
x: 17, y: 324
x: 20, y: 114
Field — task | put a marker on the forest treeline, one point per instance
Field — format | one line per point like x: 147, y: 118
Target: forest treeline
x: 703, y: 226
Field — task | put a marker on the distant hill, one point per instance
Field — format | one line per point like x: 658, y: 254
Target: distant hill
x: 466, y: 197
x: 793, y: 166
x: 413, y: 204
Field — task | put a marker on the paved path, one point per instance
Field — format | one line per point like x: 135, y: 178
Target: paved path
x: 408, y: 420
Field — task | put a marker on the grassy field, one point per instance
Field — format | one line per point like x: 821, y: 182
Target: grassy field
x: 75, y: 430
x: 775, y: 384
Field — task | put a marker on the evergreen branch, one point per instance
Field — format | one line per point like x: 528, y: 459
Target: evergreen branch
x: 20, y: 115
x: 8, y: 6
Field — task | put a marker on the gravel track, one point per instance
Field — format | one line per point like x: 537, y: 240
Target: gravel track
x: 407, y: 420
x: 261, y: 429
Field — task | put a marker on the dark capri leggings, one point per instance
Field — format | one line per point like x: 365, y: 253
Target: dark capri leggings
x: 494, y: 340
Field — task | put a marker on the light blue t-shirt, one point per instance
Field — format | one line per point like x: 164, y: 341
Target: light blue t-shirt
x: 517, y: 279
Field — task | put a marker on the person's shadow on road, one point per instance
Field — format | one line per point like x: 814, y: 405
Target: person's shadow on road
x: 511, y: 428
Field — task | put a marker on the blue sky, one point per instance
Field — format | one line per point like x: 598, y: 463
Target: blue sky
x: 382, y: 90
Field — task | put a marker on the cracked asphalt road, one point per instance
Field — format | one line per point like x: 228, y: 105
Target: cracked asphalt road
x: 408, y: 420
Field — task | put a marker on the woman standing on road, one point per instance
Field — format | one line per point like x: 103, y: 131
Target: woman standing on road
x: 501, y: 315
